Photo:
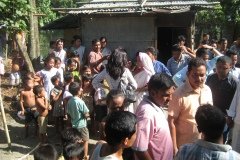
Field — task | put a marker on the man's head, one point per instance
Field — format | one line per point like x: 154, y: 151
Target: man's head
x: 152, y: 53
x: 223, y: 43
x: 75, y: 88
x: 196, y: 72
x: 103, y: 42
x: 120, y: 129
x: 210, y: 121
x: 45, y: 152
x: 233, y: 55
x: 176, y: 51
x: 59, y: 44
x: 181, y: 40
x: 77, y: 41
x: 161, y: 88
x: 223, y: 66
x: 202, y: 53
x: 115, y: 100
x: 206, y: 37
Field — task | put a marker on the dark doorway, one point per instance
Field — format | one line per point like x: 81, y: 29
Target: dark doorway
x: 167, y: 36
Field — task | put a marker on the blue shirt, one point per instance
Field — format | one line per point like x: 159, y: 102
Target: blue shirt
x: 180, y: 77
x: 159, y: 67
x: 203, y: 150
x: 76, y: 108
x: 175, y: 66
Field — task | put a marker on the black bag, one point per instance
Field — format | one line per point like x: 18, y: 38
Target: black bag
x: 128, y: 91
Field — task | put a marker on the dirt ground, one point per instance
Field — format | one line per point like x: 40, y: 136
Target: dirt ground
x: 20, y: 145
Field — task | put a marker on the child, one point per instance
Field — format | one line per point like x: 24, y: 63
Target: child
x: 60, y: 70
x: 2, y: 70
x: 72, y: 144
x: 36, y: 79
x: 86, y: 70
x: 56, y: 98
x: 17, y: 64
x: 120, y: 132
x: 27, y: 103
x: 78, y: 112
x: 47, y: 73
x: 73, y: 68
x: 45, y: 152
x: 42, y: 107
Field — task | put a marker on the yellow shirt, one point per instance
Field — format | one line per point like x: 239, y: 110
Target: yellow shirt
x: 183, y: 107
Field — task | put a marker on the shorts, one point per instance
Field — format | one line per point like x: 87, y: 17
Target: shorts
x: 30, y: 114
x: 42, y: 123
x: 100, y: 112
x: 84, y: 133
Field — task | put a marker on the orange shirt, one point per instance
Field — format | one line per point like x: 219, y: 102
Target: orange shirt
x: 183, y: 107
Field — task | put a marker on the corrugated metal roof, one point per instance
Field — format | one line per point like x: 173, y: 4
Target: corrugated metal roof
x: 134, y: 6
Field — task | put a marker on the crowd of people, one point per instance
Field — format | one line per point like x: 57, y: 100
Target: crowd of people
x: 188, y: 109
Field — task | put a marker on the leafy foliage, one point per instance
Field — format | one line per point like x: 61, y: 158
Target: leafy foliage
x: 14, y: 14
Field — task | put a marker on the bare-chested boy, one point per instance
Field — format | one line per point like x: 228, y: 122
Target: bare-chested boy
x: 43, y: 106
x: 27, y: 103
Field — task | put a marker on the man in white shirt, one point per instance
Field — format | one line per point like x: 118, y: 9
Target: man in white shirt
x: 60, y: 52
x: 79, y: 48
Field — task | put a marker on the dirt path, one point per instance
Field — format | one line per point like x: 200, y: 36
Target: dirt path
x: 20, y: 144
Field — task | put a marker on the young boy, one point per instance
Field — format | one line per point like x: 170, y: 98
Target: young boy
x: 78, y: 112
x: 45, y: 151
x: 27, y: 103
x: 43, y: 106
x: 120, y: 132
x: 57, y: 102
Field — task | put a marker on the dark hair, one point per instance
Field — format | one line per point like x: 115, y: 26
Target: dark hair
x: 210, y: 121
x: 196, y: 62
x: 76, y: 37
x: 86, y: 77
x: 176, y: 48
x: 119, y: 125
x: 70, y: 135
x: 222, y: 40
x: 26, y: 80
x: 49, y: 58
x: 116, y: 63
x: 68, y: 77
x: 152, y: 50
x: 37, y: 89
x: 57, y: 59
x: 45, y: 152
x: 230, y: 52
x: 201, y: 52
x: 74, y: 87
x: 95, y: 41
x: 224, y: 59
x: 213, y: 41
x: 71, y: 60
x: 101, y: 38
x: 85, y: 67
x: 73, y: 150
x: 205, y: 34
x: 160, y: 81
x: 113, y: 94
x: 59, y: 40
x: 181, y: 38
x: 55, y: 78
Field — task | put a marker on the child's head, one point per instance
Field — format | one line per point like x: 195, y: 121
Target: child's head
x: 72, y: 64
x: 120, y: 129
x: 69, y: 137
x: 49, y: 62
x: 45, y: 152
x: 68, y: 78
x: 39, y: 91
x: 115, y: 100
x: 58, y: 62
x: 86, y: 80
x: 75, y: 88
x: 73, y: 151
x: 28, y: 83
x: 55, y: 80
x: 30, y: 75
x: 86, y: 70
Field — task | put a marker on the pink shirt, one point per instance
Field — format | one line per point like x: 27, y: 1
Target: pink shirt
x: 93, y: 58
x: 153, y: 134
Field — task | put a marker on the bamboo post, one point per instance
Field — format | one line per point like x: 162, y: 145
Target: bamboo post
x: 4, y: 119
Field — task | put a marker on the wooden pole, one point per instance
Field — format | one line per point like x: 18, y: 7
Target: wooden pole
x: 4, y: 119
